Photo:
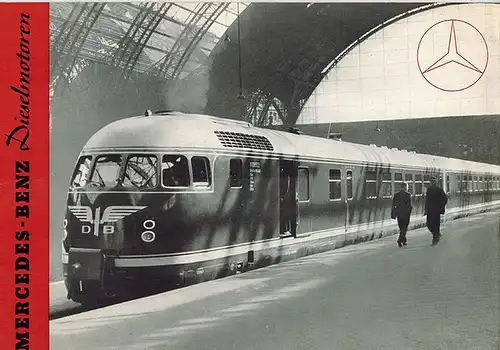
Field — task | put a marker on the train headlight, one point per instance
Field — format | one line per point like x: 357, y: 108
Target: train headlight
x: 148, y: 236
x: 149, y: 224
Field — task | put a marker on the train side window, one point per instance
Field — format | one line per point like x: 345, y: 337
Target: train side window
x: 418, y: 185
x: 175, y: 171
x: 371, y: 184
x: 201, y: 171
x: 470, y: 184
x: 335, y: 184
x: 459, y: 183
x: 476, y: 184
x: 409, y: 181
x: 82, y: 172
x: 303, y: 184
x: 106, y: 171
x: 349, y: 184
x: 448, y: 184
x: 481, y: 183
x: 141, y: 172
x: 235, y: 172
x: 386, y: 185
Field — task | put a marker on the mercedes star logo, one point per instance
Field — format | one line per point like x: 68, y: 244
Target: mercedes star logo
x: 452, y: 55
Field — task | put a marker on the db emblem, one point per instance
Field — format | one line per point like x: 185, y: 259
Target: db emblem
x: 110, y: 215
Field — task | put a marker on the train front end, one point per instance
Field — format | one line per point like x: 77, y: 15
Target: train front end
x: 136, y: 196
x: 109, y: 212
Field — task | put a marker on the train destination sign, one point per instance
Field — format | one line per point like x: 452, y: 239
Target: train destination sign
x: 255, y: 170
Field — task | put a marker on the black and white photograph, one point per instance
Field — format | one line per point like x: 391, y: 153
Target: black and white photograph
x: 274, y: 175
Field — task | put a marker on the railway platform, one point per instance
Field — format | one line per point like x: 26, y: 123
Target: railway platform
x: 372, y: 295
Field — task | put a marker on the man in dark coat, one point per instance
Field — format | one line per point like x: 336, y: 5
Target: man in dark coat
x: 401, y: 209
x: 435, y: 203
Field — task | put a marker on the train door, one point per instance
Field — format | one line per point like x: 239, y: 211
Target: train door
x: 349, y: 195
x: 288, y: 207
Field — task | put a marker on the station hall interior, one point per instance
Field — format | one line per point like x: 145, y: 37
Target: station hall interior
x: 422, y: 77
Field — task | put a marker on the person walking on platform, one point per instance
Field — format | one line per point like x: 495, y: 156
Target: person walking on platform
x: 435, y: 203
x: 401, y: 210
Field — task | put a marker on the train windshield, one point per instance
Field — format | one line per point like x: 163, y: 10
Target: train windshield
x: 82, y: 172
x: 106, y: 171
x: 141, y: 172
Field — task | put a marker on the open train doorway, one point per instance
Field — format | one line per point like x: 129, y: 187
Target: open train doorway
x: 288, y: 205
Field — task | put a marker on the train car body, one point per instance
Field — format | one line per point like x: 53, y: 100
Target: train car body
x: 183, y: 198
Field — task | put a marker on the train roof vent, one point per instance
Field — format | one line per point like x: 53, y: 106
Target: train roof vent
x: 385, y: 147
x: 239, y: 140
x: 335, y: 136
x: 394, y: 149
x: 149, y: 113
x: 373, y: 145
x: 403, y: 150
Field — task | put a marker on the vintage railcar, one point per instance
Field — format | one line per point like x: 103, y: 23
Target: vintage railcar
x: 180, y: 198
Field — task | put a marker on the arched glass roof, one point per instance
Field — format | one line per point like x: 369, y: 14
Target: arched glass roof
x: 164, y: 39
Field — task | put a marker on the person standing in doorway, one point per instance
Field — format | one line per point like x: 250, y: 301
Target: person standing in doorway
x: 401, y: 210
x: 435, y: 203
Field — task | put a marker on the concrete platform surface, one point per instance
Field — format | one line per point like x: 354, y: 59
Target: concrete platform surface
x: 368, y: 296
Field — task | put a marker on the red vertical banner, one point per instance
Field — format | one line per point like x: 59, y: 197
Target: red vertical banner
x: 24, y: 175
